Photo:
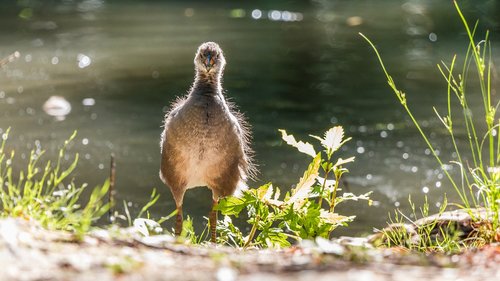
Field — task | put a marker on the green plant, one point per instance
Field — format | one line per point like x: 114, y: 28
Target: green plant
x: 45, y: 193
x: 432, y: 236
x: 143, y: 223
x: 188, y: 233
x: 479, y: 182
x: 305, y: 212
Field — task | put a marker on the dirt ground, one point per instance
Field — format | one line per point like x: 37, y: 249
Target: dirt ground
x: 29, y: 252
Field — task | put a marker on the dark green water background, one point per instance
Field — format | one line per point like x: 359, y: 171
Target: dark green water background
x: 304, y: 76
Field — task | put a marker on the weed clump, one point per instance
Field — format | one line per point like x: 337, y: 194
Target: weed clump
x: 305, y: 212
x: 44, y: 192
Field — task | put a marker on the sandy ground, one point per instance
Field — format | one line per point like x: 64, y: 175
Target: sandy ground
x: 29, y: 252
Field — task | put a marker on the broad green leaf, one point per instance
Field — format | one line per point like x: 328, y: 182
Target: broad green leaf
x: 341, y: 161
x: 303, y: 147
x: 328, y: 183
x: 334, y: 218
x: 277, y: 194
x: 351, y: 196
x: 274, y: 202
x: 265, y: 194
x: 265, y: 191
x: 269, y: 193
x: 301, y: 191
x: 348, y: 196
x: 231, y: 206
x: 333, y: 139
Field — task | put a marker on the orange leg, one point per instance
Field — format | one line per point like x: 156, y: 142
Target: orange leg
x: 213, y: 222
x: 178, y: 221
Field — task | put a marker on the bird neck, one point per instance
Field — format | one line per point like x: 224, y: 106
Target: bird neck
x: 207, y: 83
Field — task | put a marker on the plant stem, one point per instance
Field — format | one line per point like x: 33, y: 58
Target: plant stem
x: 252, y: 232
x: 334, y: 193
x: 401, y: 96
x: 111, y: 198
x: 320, y: 199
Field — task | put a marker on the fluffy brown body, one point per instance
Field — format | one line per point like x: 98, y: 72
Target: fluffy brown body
x: 204, y: 142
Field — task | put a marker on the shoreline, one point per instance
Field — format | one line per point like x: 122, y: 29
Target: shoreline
x: 29, y: 252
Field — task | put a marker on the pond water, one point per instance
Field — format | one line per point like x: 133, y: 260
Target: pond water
x: 295, y: 65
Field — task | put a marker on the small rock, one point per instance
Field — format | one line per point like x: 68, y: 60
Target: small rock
x: 329, y: 247
x: 226, y: 274
x: 158, y: 241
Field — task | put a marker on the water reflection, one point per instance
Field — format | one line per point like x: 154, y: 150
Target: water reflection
x: 420, y: 28
x: 299, y: 66
x: 58, y: 107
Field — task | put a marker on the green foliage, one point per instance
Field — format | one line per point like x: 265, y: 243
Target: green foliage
x: 143, y: 213
x: 189, y: 235
x: 433, y: 236
x: 143, y: 222
x: 229, y: 233
x: 478, y: 184
x: 44, y: 192
x: 305, y: 212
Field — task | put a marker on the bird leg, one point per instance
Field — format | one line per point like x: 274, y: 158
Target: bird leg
x: 178, y: 221
x: 213, y: 221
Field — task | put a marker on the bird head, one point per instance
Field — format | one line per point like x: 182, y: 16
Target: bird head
x: 209, y: 59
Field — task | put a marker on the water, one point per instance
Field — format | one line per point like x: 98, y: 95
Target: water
x: 119, y: 64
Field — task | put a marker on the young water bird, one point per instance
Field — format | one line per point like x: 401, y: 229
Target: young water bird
x: 205, y: 141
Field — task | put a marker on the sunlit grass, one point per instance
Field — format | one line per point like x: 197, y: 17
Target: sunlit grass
x: 432, y: 236
x: 45, y: 192
x: 478, y: 184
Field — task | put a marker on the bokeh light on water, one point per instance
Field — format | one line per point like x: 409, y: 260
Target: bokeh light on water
x: 109, y: 69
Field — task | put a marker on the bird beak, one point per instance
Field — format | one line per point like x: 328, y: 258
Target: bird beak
x: 208, y: 61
